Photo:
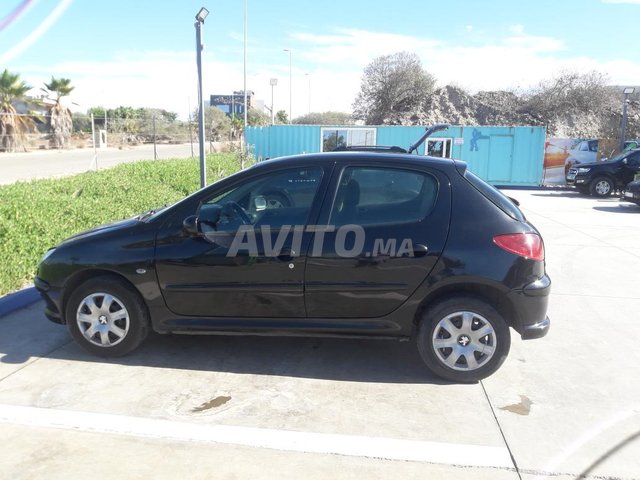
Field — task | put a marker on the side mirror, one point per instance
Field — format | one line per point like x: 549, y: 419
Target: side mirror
x: 190, y: 225
x: 260, y: 203
x: 515, y: 202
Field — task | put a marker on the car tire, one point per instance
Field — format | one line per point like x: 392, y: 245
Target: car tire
x: 107, y: 330
x: 601, y: 187
x: 449, y: 345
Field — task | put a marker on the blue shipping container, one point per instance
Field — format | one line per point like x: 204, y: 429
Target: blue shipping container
x: 500, y: 155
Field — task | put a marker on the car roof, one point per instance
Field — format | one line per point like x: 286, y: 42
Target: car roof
x: 387, y: 159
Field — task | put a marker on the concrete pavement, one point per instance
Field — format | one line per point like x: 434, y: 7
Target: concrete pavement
x: 58, y: 163
x: 560, y: 406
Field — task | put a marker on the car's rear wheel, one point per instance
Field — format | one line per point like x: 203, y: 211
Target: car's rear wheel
x: 463, y: 339
x: 601, y: 187
x: 106, y: 317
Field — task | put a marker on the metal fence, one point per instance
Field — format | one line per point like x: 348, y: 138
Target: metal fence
x: 31, y: 132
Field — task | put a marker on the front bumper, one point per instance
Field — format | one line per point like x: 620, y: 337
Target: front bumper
x: 52, y: 298
x: 576, y: 181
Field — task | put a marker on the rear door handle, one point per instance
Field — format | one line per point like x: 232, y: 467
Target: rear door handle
x: 420, y: 250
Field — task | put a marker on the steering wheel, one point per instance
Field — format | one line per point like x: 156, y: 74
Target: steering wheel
x: 244, y: 218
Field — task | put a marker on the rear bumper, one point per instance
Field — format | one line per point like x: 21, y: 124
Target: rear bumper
x: 536, y: 330
x: 52, y: 298
x: 531, y: 303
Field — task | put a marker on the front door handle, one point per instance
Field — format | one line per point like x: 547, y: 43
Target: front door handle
x: 286, y: 255
x: 420, y: 250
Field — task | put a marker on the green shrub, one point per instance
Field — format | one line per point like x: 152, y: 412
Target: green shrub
x: 37, y: 215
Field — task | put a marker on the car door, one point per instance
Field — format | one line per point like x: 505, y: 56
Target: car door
x: 631, y: 168
x: 383, y: 230
x: 245, y: 260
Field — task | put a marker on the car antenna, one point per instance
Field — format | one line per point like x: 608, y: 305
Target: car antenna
x: 430, y: 131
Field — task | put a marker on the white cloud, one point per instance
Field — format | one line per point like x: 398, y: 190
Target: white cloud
x: 334, y: 62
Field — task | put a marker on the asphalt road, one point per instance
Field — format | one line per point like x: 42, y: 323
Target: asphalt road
x: 57, y: 163
x: 240, y: 407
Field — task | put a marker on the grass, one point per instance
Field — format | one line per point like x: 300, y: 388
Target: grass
x: 37, y: 215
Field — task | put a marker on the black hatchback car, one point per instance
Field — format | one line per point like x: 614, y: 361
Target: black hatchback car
x: 362, y: 244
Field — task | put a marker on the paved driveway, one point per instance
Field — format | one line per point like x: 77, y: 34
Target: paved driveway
x: 57, y: 163
x: 233, y: 407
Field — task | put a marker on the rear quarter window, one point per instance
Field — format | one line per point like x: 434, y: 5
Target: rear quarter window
x: 495, y: 196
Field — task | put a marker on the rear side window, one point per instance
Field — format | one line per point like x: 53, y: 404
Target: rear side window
x: 373, y: 196
x: 495, y: 196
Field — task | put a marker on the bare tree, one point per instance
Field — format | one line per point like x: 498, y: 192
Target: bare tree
x: 570, y: 92
x: 392, y: 86
x: 324, y: 118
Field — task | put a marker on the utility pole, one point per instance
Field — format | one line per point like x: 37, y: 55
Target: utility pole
x: 627, y: 91
x: 290, y: 85
x: 273, y: 82
x: 309, y: 90
x: 245, y: 66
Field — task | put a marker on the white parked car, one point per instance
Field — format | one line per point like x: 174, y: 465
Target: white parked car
x: 585, y: 151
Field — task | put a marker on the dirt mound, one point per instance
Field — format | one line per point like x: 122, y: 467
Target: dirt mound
x: 454, y: 105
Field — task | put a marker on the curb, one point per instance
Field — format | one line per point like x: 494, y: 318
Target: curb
x: 17, y: 300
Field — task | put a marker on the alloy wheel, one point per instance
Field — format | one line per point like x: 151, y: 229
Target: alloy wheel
x: 603, y: 187
x: 464, y: 341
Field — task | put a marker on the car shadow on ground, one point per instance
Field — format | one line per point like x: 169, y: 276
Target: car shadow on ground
x: 562, y: 195
x: 353, y: 360
x: 622, y: 208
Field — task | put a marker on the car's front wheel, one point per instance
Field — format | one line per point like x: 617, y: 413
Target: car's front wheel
x: 463, y: 339
x: 106, y: 317
x: 601, y: 187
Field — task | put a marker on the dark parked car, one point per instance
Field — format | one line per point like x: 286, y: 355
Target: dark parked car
x: 603, y: 178
x: 631, y: 192
x: 367, y: 244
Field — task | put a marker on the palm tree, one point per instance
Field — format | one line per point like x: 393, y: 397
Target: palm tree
x: 60, y: 120
x: 13, y: 127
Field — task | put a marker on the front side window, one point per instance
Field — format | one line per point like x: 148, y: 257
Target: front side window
x: 276, y: 199
x: 373, y: 196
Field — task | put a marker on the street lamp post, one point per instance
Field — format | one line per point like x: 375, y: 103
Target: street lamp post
x: 627, y: 92
x: 273, y: 82
x: 290, y: 85
x: 200, y: 17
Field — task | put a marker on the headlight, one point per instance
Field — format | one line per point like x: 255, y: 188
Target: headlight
x: 48, y: 254
x: 584, y: 170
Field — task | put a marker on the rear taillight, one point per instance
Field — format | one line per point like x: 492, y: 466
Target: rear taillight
x: 527, y: 245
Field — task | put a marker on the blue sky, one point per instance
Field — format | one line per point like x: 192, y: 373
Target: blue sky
x: 141, y: 52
